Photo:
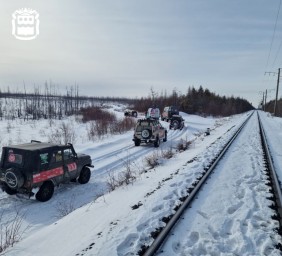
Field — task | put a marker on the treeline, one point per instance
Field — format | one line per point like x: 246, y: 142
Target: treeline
x: 48, y: 103
x: 269, y: 107
x: 195, y: 101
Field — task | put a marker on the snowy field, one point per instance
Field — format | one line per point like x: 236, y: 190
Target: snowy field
x: 118, y: 222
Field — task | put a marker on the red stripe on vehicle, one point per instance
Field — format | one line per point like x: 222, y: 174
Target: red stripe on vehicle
x: 71, y: 167
x: 45, y: 175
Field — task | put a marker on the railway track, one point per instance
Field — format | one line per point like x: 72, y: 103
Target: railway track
x: 161, y: 235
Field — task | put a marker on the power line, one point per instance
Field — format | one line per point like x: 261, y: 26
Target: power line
x: 277, y: 53
x: 273, y: 35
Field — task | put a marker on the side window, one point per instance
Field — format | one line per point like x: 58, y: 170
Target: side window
x: 44, y: 158
x: 68, y: 154
x: 59, y: 156
x: 15, y: 158
x: 56, y: 157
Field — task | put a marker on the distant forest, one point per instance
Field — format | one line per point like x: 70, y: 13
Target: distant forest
x: 269, y: 107
x: 195, y: 101
x: 47, y: 102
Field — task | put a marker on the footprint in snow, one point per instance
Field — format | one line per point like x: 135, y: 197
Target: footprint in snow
x: 204, y: 215
x: 240, y: 194
x: 157, y: 208
x: 125, y: 248
x: 226, y: 228
x: 168, y: 197
x: 234, y: 208
x: 193, y: 238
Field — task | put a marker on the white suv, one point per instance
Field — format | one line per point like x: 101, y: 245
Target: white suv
x: 149, y: 131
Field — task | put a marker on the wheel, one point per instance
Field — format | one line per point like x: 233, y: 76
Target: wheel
x: 165, y: 138
x: 157, y: 142
x: 137, y: 142
x: 45, y: 192
x: 10, y: 191
x: 146, y: 134
x: 84, y: 176
x: 175, y: 124
x: 14, y: 178
x: 134, y: 114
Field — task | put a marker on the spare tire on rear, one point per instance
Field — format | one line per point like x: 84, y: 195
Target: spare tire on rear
x: 14, y: 178
x: 146, y: 134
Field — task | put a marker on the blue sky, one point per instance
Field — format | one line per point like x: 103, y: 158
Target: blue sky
x: 125, y: 47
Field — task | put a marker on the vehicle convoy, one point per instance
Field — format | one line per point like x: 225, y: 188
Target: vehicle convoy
x: 42, y: 166
x: 149, y: 131
x: 130, y: 112
x: 176, y: 122
x: 169, y: 112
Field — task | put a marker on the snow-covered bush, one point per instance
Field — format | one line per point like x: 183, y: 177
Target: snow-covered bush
x: 153, y: 160
x: 62, y: 134
x: 11, y: 230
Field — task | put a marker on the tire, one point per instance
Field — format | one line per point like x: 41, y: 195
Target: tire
x: 157, y: 142
x: 146, y: 134
x: 134, y: 114
x: 45, y: 192
x: 165, y: 138
x: 84, y: 176
x: 14, y: 179
x: 137, y: 142
x: 10, y: 191
x: 175, y: 124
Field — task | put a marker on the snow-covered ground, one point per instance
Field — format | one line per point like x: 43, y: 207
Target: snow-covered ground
x: 230, y: 216
x: 118, y: 222
x: 273, y: 129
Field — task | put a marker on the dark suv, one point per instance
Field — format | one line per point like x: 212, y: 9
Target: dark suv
x: 169, y: 112
x: 176, y: 122
x: 149, y: 131
x: 130, y: 112
x: 43, y: 166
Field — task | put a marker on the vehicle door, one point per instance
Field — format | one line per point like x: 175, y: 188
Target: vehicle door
x: 50, y: 167
x: 70, y: 163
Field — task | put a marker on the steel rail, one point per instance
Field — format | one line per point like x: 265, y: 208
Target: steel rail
x: 154, y: 247
x: 273, y: 175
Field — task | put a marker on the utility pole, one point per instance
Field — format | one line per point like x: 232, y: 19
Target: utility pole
x: 265, y: 100
x: 262, y: 104
x: 277, y: 88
